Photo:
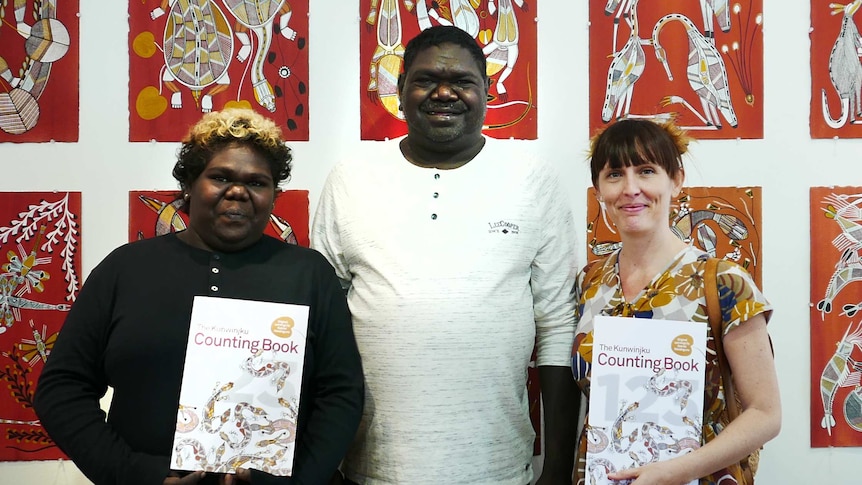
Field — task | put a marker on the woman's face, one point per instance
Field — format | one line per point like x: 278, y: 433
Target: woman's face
x: 231, y: 201
x: 637, y: 198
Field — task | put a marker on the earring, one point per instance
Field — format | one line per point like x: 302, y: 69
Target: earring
x: 186, y: 197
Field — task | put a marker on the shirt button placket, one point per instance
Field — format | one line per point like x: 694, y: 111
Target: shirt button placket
x: 435, y: 195
x: 215, y: 274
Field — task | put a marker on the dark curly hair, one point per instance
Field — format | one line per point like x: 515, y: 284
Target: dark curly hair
x: 220, y: 129
x: 444, y: 34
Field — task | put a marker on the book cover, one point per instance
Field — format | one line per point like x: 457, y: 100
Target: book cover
x: 240, y: 388
x: 646, y: 393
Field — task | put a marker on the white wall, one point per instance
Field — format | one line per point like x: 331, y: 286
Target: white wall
x: 104, y: 166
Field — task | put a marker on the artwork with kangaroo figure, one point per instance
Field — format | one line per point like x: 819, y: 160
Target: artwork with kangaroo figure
x: 698, y: 62
x: 40, y: 276
x: 835, y: 316
x: 836, y: 70
x: 505, y: 30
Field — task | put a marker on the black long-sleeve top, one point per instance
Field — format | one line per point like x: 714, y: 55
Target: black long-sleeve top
x: 128, y: 330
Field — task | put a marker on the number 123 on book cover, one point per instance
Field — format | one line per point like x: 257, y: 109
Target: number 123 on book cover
x: 646, y: 393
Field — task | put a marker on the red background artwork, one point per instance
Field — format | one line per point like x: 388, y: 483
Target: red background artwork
x: 652, y: 92
x: 283, y: 66
x: 836, y: 333
x: 40, y: 267
x: 513, y: 115
x: 154, y: 212
x: 724, y: 221
x: 825, y: 118
x: 27, y: 84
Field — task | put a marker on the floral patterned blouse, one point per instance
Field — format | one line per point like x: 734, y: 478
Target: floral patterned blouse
x: 675, y: 294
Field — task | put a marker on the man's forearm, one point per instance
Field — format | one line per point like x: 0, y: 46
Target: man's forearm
x: 561, y: 401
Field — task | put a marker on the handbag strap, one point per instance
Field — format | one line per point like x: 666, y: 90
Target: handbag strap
x: 713, y: 311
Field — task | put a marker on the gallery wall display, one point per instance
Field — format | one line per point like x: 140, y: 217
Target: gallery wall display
x: 836, y: 323
x: 836, y: 70
x: 39, y: 70
x: 698, y: 62
x: 504, y: 29
x: 158, y: 212
x: 192, y: 57
x: 40, y: 267
x: 723, y: 221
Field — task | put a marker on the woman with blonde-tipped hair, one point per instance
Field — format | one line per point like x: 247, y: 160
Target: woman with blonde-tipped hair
x: 129, y: 326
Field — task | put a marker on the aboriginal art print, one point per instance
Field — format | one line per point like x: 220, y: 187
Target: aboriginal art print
x: 38, y: 70
x: 504, y: 29
x: 835, y: 319
x: 698, y: 62
x: 723, y: 221
x: 158, y: 212
x: 188, y: 57
x: 836, y: 70
x: 40, y: 268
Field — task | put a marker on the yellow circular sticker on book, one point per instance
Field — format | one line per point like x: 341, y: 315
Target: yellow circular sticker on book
x: 682, y: 345
x: 282, y: 327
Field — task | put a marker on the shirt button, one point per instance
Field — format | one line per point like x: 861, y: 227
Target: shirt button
x: 436, y: 195
x: 436, y: 176
x: 215, y: 270
x: 433, y: 217
x: 214, y: 288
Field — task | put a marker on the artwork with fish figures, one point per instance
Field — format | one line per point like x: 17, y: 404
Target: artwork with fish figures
x: 504, y: 29
x: 188, y: 57
x: 157, y: 212
x: 40, y: 268
x: 836, y: 70
x: 699, y: 62
x: 38, y: 70
x: 835, y: 319
x: 723, y: 221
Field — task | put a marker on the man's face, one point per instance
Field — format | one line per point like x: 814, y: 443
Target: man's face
x: 444, y: 95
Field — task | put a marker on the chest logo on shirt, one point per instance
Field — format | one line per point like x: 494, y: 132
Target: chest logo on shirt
x: 503, y: 227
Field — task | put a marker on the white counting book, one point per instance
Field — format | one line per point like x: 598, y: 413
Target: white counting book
x: 241, y: 386
x: 646, y: 393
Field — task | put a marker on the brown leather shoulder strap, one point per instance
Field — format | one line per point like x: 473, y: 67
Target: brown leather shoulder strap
x: 713, y: 310
x: 713, y: 306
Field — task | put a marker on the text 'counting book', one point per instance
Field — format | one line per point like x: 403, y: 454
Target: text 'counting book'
x: 240, y: 389
x: 646, y: 393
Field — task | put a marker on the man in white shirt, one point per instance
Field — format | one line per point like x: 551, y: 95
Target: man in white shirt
x: 458, y: 256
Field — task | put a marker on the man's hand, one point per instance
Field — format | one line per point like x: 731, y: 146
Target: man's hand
x: 561, y: 400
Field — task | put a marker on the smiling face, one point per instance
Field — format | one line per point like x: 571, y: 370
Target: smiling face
x: 231, y: 201
x: 444, y: 97
x: 637, y: 197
